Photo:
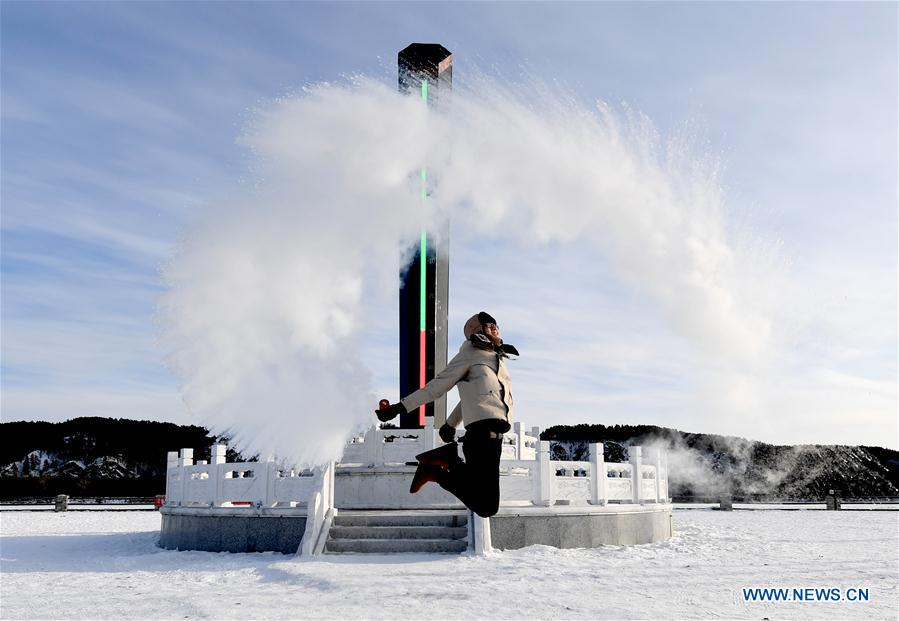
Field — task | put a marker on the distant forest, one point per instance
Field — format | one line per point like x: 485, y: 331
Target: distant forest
x: 57, y: 450
x: 121, y: 457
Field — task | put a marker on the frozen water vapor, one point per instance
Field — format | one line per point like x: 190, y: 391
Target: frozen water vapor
x: 269, y: 294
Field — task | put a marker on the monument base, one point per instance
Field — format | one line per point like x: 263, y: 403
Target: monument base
x: 387, y: 487
x: 560, y: 526
x: 580, y: 526
x: 232, y: 530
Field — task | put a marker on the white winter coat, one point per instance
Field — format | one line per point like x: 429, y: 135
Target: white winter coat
x: 484, y: 383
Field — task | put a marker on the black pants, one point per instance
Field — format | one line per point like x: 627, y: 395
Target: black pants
x: 476, y: 480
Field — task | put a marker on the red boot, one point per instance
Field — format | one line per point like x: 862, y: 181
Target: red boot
x: 425, y: 474
x: 443, y: 456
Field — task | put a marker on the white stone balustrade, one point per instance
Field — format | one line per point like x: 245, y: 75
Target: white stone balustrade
x: 320, y: 512
x: 246, y: 484
x: 544, y: 482
x: 532, y: 480
x: 378, y: 447
x: 388, y: 446
x: 529, y: 477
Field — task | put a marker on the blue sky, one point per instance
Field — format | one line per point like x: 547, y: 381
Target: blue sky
x: 120, y: 124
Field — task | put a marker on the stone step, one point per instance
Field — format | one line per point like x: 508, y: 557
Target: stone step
x: 399, y: 519
x: 398, y: 532
x: 387, y: 546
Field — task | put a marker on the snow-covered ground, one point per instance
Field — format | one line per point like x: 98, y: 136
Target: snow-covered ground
x: 105, y: 565
x: 79, y: 507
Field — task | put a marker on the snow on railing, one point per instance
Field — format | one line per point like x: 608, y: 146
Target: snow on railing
x: 253, y: 485
x: 388, y: 446
x: 528, y: 476
x: 320, y: 512
x: 247, y: 484
x: 532, y: 479
x: 545, y: 482
x: 377, y: 447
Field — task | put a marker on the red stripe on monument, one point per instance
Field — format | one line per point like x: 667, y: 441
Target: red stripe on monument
x: 422, y: 376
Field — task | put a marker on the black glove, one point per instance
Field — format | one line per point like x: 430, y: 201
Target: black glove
x: 390, y: 413
x: 447, y: 433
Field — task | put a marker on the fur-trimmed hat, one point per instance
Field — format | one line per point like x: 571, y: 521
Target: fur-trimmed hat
x: 473, y: 325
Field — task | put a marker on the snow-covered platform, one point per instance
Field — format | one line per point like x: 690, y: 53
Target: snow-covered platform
x: 223, y: 529
x: 262, y: 506
x: 580, y: 527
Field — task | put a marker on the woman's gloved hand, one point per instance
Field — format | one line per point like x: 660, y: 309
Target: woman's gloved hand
x: 391, y: 412
x: 447, y: 433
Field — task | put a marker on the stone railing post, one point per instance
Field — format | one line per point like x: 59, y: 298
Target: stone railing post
x: 62, y: 503
x: 172, y: 492
x: 543, y: 485
x: 636, y: 454
x: 186, y: 459
x: 218, y: 498
x: 598, y: 475
x: 479, y: 530
x: 428, y: 436
x: 331, y: 473
x: 518, y: 430
x: 373, y: 445
x: 658, y: 464
x: 535, y: 432
x: 320, y: 511
x: 217, y: 457
x: 664, y: 488
x: 271, y: 478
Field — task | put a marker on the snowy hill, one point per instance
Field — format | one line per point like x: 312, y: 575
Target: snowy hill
x: 703, y: 465
x: 44, y: 464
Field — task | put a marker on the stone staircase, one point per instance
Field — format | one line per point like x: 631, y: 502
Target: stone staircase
x: 381, y: 532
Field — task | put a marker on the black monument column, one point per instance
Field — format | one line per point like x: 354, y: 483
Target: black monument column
x: 425, y: 71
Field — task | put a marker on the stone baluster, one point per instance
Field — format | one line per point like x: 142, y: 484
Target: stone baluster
x: 636, y: 454
x: 172, y: 491
x: 271, y: 478
x: 598, y: 483
x: 665, y: 497
x: 373, y: 445
x: 186, y: 459
x: 543, y: 488
x: 217, y: 456
x: 479, y: 528
x: 658, y: 481
x: 429, y: 436
x: 62, y: 503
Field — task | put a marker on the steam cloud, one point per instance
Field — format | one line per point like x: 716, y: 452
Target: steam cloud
x: 269, y: 294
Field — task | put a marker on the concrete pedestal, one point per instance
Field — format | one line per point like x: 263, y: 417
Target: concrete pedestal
x: 384, y: 491
x: 231, y: 530
x: 387, y: 487
x: 580, y: 527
